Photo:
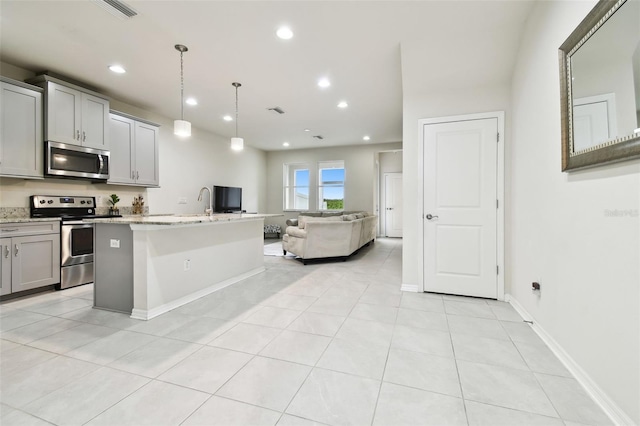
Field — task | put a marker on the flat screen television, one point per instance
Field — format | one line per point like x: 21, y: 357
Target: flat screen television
x: 227, y: 199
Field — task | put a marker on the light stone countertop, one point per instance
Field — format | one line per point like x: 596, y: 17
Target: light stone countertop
x: 28, y: 219
x: 173, y: 220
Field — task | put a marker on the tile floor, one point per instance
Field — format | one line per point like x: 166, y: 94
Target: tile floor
x: 330, y: 343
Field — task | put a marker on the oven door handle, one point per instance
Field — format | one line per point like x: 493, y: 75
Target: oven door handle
x: 77, y: 224
x: 100, y: 164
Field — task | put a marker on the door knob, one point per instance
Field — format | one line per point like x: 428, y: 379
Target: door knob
x: 389, y: 208
x: 430, y: 216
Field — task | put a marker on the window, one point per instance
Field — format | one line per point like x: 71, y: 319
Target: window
x: 296, y: 187
x: 331, y: 185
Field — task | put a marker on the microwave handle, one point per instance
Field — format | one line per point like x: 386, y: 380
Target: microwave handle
x: 100, y: 164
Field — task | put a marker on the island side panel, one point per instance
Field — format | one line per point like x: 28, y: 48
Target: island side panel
x: 113, y: 272
x: 217, y: 254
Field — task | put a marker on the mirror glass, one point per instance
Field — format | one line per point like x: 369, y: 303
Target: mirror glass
x: 605, y: 81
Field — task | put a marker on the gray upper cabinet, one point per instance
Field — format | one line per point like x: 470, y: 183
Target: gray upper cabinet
x: 21, y: 141
x: 134, y: 151
x: 76, y: 117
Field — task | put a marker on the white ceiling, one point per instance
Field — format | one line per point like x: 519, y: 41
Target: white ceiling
x: 357, y: 44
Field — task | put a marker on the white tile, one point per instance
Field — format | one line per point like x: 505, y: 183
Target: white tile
x: 61, y: 307
x: 333, y: 306
x: 80, y: 401
x: 266, y: 382
x: 540, y: 359
x: 363, y: 311
x: 272, y: 317
x: 225, y: 412
x: 314, y: 323
x: 22, y: 358
x: 155, y: 404
x: 38, y: 330
x: 355, y: 358
x: 487, y: 351
x: 571, y: 401
x: 422, y: 319
x: 476, y: 327
x: 419, y: 370
x: 336, y: 398
x: 505, y: 312
x: 207, y: 369
x: 108, y: 349
x: 6, y: 345
x: 399, y: 405
x: 231, y: 310
x: 16, y: 318
x: 289, y: 301
x: 468, y: 309
x: 420, y: 340
x: 490, y: 415
x: 307, y: 288
x: 521, y: 332
x: 366, y: 332
x: 102, y: 317
x: 289, y: 420
x: 346, y: 289
x: 155, y: 357
x: 163, y: 324
x: 383, y: 295
x: 504, y: 387
x: 201, y: 330
x: 422, y: 302
x: 72, y: 338
x: 466, y: 299
x: 11, y: 416
x: 22, y: 387
x: 246, y: 338
x: 297, y: 347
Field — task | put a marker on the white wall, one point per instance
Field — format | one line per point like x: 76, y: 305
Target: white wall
x: 428, y: 105
x: 204, y: 159
x: 561, y: 232
x: 360, y: 175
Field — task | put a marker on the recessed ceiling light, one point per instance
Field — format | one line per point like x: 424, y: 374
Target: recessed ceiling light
x: 307, y: 130
x: 366, y: 138
x: 191, y: 101
x: 343, y: 104
x: 284, y: 33
x: 324, y: 82
x: 227, y: 118
x: 285, y: 144
x: 117, y: 69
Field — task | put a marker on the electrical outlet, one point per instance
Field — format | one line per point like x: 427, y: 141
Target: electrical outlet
x: 99, y: 200
x: 114, y: 243
x: 187, y: 264
x: 182, y: 200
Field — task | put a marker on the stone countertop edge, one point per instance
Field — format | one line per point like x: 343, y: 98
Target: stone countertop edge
x: 173, y: 220
x: 28, y: 219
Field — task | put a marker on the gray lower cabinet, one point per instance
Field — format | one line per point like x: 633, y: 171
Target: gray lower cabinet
x: 134, y: 151
x: 31, y: 258
x: 21, y: 142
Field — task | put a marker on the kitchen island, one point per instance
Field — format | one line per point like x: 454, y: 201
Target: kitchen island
x: 149, y: 265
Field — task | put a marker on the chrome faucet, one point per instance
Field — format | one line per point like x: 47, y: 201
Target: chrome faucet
x: 208, y: 210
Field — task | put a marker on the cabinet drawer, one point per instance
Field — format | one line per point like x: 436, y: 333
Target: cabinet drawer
x: 31, y: 228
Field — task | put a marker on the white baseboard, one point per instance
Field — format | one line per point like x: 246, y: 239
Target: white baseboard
x: 409, y: 287
x: 144, y: 314
x: 610, y: 408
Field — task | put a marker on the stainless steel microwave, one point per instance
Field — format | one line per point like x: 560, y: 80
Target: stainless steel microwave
x: 64, y: 160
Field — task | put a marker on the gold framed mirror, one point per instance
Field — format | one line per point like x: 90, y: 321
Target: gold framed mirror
x: 600, y: 87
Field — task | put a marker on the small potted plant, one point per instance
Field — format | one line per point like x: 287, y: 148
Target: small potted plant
x: 113, y: 209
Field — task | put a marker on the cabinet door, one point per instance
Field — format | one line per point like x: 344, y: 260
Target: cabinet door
x: 63, y: 114
x: 21, y: 133
x: 35, y: 261
x: 5, y: 266
x: 146, y: 154
x: 121, y: 167
x: 95, y: 122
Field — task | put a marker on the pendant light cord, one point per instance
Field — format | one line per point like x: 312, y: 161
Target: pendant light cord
x: 236, y: 111
x: 181, y: 87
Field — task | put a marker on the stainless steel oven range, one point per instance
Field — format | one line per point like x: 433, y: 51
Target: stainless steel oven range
x: 76, y: 237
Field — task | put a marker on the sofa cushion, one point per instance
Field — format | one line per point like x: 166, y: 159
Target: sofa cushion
x: 302, y: 220
x: 331, y: 214
x: 294, y: 231
x: 359, y: 215
x: 292, y: 222
x: 349, y: 217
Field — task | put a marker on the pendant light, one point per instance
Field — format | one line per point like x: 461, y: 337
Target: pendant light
x: 237, y: 144
x: 181, y: 127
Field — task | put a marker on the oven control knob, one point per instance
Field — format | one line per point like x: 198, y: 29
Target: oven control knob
x: 90, y: 211
x: 42, y: 201
x: 82, y: 202
x: 50, y: 202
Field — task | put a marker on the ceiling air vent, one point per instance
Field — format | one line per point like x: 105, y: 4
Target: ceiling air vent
x: 116, y: 8
x: 318, y: 137
x: 276, y: 109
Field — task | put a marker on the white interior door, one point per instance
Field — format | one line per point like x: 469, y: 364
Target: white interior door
x: 460, y: 207
x: 393, y: 204
x: 594, y: 121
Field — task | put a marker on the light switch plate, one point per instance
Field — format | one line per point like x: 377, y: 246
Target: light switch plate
x: 182, y: 200
x: 115, y: 243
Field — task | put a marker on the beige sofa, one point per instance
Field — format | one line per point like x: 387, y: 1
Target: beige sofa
x: 313, y: 237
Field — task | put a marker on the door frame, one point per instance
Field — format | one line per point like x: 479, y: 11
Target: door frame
x: 383, y: 201
x: 499, y: 115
